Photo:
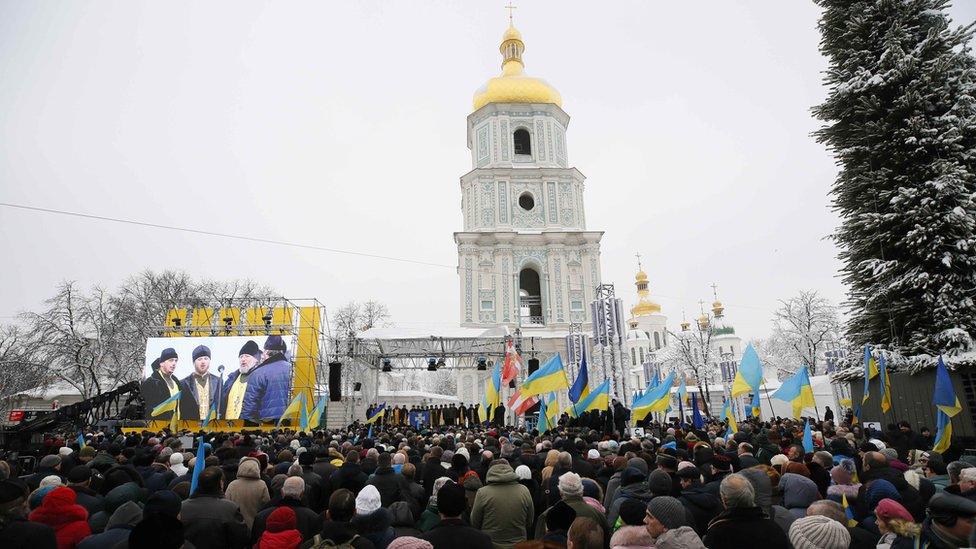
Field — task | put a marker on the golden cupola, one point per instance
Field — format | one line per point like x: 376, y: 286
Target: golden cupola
x: 514, y: 86
x: 644, y: 305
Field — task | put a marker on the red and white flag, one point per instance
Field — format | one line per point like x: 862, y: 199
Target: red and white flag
x: 519, y: 405
x: 512, y: 364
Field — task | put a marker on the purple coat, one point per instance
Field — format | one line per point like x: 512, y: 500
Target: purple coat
x: 268, y: 390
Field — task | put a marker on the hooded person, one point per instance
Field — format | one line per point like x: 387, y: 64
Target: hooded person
x: 701, y: 504
x: 280, y: 531
x: 118, y: 528
x: 60, y: 511
x: 632, y: 533
x: 248, y: 490
x: 842, y: 480
x: 451, y: 531
x: 128, y: 491
x: 176, y: 464
x: 503, y: 508
x: 235, y: 386
x: 798, y: 493
x: 634, y: 485
x: 763, y: 488
x: 372, y: 521
x: 269, y: 383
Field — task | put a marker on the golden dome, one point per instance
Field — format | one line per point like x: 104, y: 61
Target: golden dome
x: 641, y: 276
x: 703, y: 321
x: 644, y: 305
x: 514, y: 86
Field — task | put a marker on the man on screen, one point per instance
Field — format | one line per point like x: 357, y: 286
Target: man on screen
x: 204, y: 386
x: 269, y: 384
x: 236, y: 385
x: 161, y: 384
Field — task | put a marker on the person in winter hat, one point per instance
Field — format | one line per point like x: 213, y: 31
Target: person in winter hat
x: 60, y: 511
x: 280, y: 531
x: 503, y: 508
x: 409, y: 542
x: 798, y: 493
x: 632, y: 533
x: 819, y: 532
x: 743, y: 521
x: 372, y: 521
x: 119, y: 526
x: 664, y: 513
x: 570, y: 487
x: 15, y: 530
x: 248, y: 490
x: 895, y: 523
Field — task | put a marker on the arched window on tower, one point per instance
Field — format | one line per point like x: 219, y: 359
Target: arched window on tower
x: 530, y: 298
x: 522, y: 142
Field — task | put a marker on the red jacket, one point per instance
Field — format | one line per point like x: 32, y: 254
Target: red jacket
x: 68, y: 519
x: 286, y: 539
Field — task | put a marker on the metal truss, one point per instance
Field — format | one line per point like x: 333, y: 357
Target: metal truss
x: 415, y: 353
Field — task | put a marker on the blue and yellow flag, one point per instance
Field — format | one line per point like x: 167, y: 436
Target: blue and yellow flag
x: 379, y: 412
x: 870, y: 371
x: 581, y: 387
x: 550, y: 377
x: 543, y: 424
x: 755, y: 404
x: 211, y: 415
x: 493, y: 388
x: 885, y: 384
x: 749, y: 376
x: 81, y: 441
x: 315, y: 419
x: 294, y: 408
x: 598, y: 399
x: 856, y: 414
x: 552, y: 409
x: 655, y: 399
x: 682, y: 392
x: 198, y: 465
x: 728, y: 415
x: 797, y: 391
x: 171, y: 404
x: 947, y: 406
x: 848, y: 512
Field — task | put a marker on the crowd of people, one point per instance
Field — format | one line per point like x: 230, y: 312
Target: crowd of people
x: 485, y: 487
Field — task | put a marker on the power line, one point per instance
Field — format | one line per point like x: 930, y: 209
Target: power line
x: 282, y: 243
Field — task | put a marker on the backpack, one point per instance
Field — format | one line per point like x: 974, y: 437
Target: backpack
x: 319, y: 543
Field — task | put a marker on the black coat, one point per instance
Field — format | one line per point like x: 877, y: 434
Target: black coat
x: 308, y: 522
x: 742, y: 527
x: 213, y: 522
x: 21, y: 534
x: 433, y: 470
x: 450, y: 533
x: 702, y: 505
x: 391, y: 485
x: 349, y: 476
x: 910, y: 498
x: 155, y: 391
x: 343, y: 532
x: 87, y: 498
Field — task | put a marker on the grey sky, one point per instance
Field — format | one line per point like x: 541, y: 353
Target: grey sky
x: 343, y: 125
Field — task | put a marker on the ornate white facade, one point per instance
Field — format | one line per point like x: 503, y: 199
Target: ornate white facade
x: 525, y: 258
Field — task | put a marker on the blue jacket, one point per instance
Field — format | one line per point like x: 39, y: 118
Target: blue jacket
x: 190, y: 385
x: 268, y: 390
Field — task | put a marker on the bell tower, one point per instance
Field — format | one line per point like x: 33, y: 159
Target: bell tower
x: 525, y: 257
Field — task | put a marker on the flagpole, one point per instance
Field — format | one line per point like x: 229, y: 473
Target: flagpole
x: 772, y: 412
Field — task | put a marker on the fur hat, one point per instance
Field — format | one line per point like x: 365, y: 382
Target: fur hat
x: 819, y: 532
x: 200, y: 351
x: 250, y: 348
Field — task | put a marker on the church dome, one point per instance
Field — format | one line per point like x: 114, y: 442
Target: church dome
x: 514, y: 86
x: 644, y: 305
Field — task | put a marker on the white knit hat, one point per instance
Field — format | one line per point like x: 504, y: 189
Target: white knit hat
x: 570, y: 484
x: 523, y: 472
x: 819, y: 532
x: 593, y: 454
x: 368, y: 500
x: 778, y: 459
x: 64, y: 451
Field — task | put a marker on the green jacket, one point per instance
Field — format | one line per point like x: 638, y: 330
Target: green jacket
x: 503, y: 508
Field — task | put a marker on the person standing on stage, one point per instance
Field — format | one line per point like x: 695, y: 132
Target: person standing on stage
x: 203, y: 385
x: 269, y: 386
x: 232, y: 397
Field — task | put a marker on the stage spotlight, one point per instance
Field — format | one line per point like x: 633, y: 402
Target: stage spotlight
x: 387, y: 365
x: 441, y: 362
x: 482, y: 363
x: 431, y: 364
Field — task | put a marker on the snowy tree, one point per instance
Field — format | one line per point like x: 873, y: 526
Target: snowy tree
x: 901, y: 121
x: 805, y: 326
x: 354, y: 317
x: 19, y: 369
x: 690, y: 351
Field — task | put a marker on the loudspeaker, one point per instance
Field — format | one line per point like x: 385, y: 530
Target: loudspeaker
x: 356, y: 387
x: 335, y: 381
x: 533, y: 365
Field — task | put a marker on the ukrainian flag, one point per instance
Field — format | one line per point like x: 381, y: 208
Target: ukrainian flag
x: 728, y: 415
x: 870, y: 372
x: 211, y: 415
x: 947, y: 406
x: 171, y: 404
x: 493, y: 388
x: 655, y: 399
x: 797, y: 391
x: 851, y: 521
x: 749, y: 376
x: 885, y: 384
x: 379, y: 412
x: 543, y: 424
x: 551, y: 377
x: 682, y: 392
x: 81, y: 441
x: 316, y: 418
x: 599, y: 399
x: 294, y: 407
x: 581, y: 387
x: 552, y: 410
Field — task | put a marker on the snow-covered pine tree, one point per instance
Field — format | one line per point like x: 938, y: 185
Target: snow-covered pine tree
x: 901, y: 120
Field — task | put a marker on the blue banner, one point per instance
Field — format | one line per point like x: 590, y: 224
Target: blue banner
x: 418, y: 418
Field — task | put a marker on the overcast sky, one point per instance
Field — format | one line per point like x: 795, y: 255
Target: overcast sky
x: 343, y: 125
